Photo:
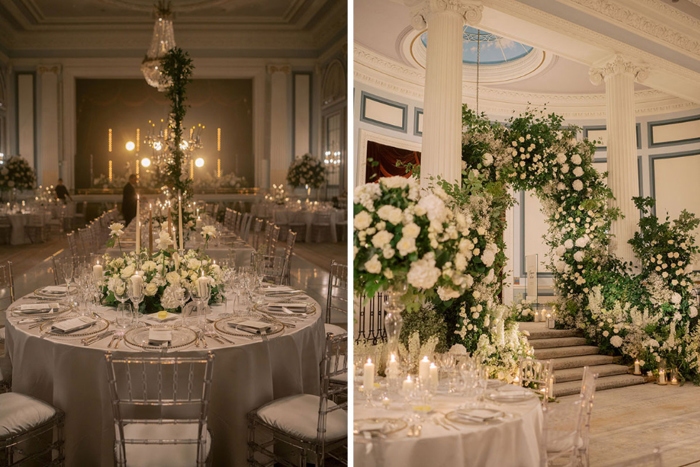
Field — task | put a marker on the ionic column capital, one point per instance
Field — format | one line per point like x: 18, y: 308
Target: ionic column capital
x: 616, y: 66
x: 44, y: 69
x: 469, y: 10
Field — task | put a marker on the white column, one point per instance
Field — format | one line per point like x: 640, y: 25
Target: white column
x: 619, y: 75
x: 442, y: 105
x: 48, y: 155
x: 280, y: 140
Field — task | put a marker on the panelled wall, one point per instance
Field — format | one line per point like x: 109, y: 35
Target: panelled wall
x: 668, y: 148
x: 38, y: 108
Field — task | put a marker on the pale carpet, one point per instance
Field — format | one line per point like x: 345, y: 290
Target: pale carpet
x: 631, y: 421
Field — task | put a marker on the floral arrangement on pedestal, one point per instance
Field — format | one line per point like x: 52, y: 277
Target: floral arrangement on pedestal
x: 17, y: 174
x: 164, y: 274
x: 306, y: 171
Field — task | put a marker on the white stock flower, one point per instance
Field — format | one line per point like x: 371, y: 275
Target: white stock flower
x: 363, y: 219
x: 373, y: 266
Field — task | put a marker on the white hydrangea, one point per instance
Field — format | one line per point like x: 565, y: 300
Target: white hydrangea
x: 423, y: 274
x: 394, y: 182
x: 560, y: 250
x: 434, y: 207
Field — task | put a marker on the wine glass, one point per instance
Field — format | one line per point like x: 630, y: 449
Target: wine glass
x: 136, y: 295
x: 124, y: 317
x: 201, y: 293
x: 183, y: 298
x: 66, y: 268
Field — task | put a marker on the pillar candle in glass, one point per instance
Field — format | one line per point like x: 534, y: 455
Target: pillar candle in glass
x: 368, y: 377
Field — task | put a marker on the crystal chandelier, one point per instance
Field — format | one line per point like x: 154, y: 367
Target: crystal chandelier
x: 163, y: 40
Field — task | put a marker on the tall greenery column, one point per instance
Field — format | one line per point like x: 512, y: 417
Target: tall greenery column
x: 442, y: 103
x: 619, y: 75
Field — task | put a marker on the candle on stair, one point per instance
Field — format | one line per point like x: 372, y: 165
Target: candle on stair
x: 637, y: 370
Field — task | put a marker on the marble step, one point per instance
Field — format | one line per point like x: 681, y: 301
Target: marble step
x: 576, y: 374
x: 556, y: 342
x: 541, y: 332
x: 560, y: 352
x: 603, y: 383
x: 581, y: 361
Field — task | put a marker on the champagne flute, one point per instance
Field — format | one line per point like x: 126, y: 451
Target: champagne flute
x: 201, y: 292
x: 136, y: 295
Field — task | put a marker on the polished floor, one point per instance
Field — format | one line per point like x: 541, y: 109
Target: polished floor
x: 632, y: 421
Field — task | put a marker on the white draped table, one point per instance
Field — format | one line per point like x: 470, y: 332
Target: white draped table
x: 66, y: 374
x: 514, y: 441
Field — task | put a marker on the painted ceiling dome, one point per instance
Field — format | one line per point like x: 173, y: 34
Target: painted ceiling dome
x: 492, y: 49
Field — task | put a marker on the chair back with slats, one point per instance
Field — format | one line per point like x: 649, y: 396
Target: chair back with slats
x: 337, y: 294
x: 245, y: 222
x: 146, y: 390
x: 7, y: 284
x: 271, y: 267
x: 272, y: 238
x: 257, y: 232
x: 334, y: 366
x: 288, y: 252
x: 537, y: 374
x: 73, y: 243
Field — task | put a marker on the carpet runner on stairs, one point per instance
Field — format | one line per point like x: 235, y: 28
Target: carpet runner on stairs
x: 569, y: 353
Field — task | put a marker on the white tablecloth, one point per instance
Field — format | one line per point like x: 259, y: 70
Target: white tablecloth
x: 303, y: 216
x: 513, y: 442
x: 64, y: 373
x: 19, y: 221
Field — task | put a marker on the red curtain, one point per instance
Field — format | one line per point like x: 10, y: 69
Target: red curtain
x: 386, y: 158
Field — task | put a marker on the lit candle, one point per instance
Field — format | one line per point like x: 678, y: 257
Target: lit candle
x: 179, y: 219
x: 97, y: 271
x: 637, y: 369
x: 424, y: 370
x: 150, y: 228
x: 409, y: 384
x: 433, y: 375
x: 202, y: 284
x: 368, y: 378
x: 138, y: 224
x: 198, y: 223
x: 662, y: 377
x: 136, y: 284
x: 393, y: 366
x: 551, y: 386
x: 674, y: 381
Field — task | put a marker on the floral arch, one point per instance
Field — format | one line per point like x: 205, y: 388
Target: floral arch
x: 447, y: 245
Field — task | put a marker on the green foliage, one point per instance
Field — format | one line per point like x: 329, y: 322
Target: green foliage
x: 427, y: 323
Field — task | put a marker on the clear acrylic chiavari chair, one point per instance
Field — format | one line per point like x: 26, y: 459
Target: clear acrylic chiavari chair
x: 160, y: 406
x: 537, y: 375
x: 305, y: 422
x: 336, y: 296
x: 7, y: 296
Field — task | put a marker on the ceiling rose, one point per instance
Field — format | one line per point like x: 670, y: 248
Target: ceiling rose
x: 176, y: 5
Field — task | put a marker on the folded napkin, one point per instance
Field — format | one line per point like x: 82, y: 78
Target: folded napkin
x: 169, y: 317
x: 510, y: 392
x: 252, y: 326
x: 478, y: 415
x: 37, y: 308
x: 159, y: 336
x: 278, y: 288
x: 57, y: 289
x: 372, y: 426
x: 72, y: 325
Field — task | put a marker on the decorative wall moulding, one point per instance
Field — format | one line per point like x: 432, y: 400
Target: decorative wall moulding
x: 402, y: 80
x: 383, y: 112
x: 674, y: 132
x: 286, y: 69
x: 470, y: 11
x: 55, y: 69
x: 615, y: 66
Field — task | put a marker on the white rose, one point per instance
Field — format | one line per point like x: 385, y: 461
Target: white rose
x: 606, y: 333
x: 488, y: 159
x: 577, y: 185
x: 561, y: 158
x: 434, y: 207
x: 390, y: 213
x: 128, y: 271
x: 693, y: 312
x: 578, y: 171
x: 447, y: 293
x: 576, y: 159
x: 373, y: 266
x: 569, y: 244
x: 362, y: 220
x: 578, y: 256
x: 676, y: 298
x: 411, y: 230
x: 173, y: 277
x: 406, y: 246
x: 488, y: 257
x: 560, y: 250
x: 382, y: 238
x: 193, y: 263
x: 149, y: 266
x: 151, y: 289
x: 582, y: 242
x: 616, y: 341
x: 565, y: 168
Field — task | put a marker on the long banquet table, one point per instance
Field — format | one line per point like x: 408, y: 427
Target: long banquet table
x: 512, y: 441
x: 63, y: 372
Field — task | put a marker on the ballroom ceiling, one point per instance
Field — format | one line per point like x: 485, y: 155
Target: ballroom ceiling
x: 244, y: 28
x: 574, y: 34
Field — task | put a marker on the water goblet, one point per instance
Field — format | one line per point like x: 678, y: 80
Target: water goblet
x: 184, y: 297
x: 136, y: 295
x: 124, y: 316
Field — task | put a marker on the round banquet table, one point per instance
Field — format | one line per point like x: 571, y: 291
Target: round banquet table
x: 514, y: 441
x: 66, y: 374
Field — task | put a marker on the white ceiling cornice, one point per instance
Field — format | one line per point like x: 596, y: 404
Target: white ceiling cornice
x: 660, y: 24
x: 396, y: 78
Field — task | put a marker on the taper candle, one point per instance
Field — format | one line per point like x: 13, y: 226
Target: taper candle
x: 138, y: 224
x: 179, y: 218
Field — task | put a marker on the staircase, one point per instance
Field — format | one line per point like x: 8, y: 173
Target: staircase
x: 569, y: 353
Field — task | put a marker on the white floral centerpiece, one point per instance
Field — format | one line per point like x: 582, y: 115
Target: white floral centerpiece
x: 17, y: 174
x: 164, y: 274
x: 306, y: 170
x: 421, y: 239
